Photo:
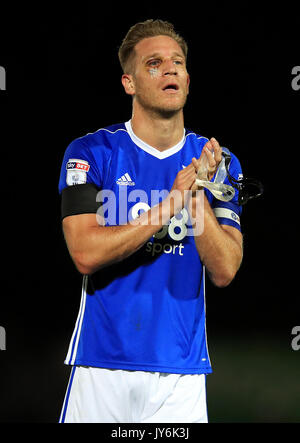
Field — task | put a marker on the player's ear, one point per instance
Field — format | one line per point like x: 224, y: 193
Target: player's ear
x: 128, y: 84
x: 188, y: 83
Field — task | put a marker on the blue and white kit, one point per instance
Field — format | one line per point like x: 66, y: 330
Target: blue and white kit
x: 146, y: 312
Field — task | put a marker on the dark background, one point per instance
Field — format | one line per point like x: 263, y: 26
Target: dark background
x: 63, y: 80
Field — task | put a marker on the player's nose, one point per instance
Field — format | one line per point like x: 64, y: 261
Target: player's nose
x: 169, y: 68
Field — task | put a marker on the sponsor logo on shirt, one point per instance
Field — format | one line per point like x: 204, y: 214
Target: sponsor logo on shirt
x: 80, y: 165
x: 76, y: 171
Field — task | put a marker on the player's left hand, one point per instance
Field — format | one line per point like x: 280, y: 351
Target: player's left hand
x: 213, y: 152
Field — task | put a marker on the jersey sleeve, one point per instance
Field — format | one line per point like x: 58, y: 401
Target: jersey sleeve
x: 79, y: 166
x: 80, y: 180
x: 229, y: 213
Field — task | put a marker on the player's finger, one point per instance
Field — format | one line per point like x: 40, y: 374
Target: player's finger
x: 190, y: 168
x: 207, y: 145
x: 187, y: 175
x: 217, y: 149
x: 195, y: 163
x: 211, y: 159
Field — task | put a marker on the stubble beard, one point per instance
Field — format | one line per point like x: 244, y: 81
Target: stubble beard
x: 159, y: 111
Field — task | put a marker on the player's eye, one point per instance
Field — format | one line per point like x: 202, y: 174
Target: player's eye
x: 153, y: 63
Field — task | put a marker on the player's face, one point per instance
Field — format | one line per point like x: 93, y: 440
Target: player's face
x: 160, y: 80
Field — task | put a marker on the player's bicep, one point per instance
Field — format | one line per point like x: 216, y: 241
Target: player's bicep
x: 79, y: 233
x: 79, y: 208
x: 76, y: 228
x: 78, y: 225
x: 236, y: 239
x: 235, y: 234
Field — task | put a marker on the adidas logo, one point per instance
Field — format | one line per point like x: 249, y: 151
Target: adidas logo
x: 125, y: 180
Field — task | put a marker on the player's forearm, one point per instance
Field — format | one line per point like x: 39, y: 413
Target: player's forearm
x: 219, y: 251
x: 101, y: 246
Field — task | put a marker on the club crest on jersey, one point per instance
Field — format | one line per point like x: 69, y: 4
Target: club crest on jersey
x: 76, y: 171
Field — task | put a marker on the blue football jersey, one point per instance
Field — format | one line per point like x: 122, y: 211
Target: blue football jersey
x: 146, y: 312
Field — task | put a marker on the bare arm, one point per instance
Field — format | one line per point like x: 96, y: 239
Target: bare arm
x: 220, y: 248
x: 93, y: 247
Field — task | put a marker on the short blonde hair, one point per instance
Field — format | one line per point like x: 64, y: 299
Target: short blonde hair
x: 146, y: 29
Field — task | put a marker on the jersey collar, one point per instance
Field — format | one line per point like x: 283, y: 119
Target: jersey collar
x: 150, y: 149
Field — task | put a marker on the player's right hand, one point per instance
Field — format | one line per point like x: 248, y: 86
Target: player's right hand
x: 183, y: 182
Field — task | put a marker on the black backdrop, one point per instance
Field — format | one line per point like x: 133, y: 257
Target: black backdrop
x: 63, y: 80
